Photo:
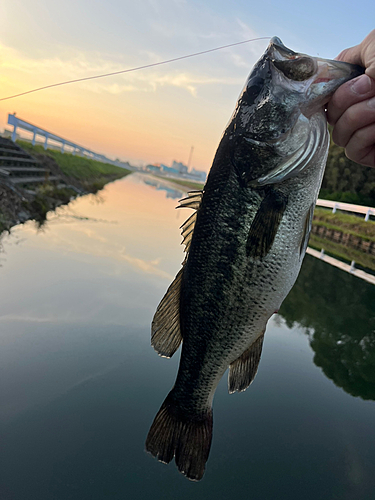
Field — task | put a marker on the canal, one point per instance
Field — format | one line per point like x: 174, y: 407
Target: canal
x: 80, y: 383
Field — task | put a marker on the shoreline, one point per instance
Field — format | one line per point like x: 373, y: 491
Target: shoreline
x: 77, y: 176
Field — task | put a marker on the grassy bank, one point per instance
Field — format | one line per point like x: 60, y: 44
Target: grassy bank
x: 78, y: 176
x: 349, y: 224
x: 92, y: 174
x: 342, y: 252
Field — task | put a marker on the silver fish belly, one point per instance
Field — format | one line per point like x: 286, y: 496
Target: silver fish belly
x: 245, y: 244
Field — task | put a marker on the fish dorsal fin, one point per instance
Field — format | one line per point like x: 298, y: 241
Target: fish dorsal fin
x: 243, y: 370
x: 165, y: 330
x: 192, y: 201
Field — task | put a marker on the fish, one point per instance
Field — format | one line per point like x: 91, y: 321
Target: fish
x: 244, y: 244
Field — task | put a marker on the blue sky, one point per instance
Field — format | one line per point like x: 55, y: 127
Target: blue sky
x: 156, y: 114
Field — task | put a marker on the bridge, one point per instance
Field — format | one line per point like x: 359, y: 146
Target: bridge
x: 18, y: 123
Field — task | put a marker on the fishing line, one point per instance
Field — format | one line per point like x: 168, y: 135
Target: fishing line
x: 133, y: 69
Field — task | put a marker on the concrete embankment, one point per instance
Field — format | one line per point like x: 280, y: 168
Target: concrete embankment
x: 34, y: 181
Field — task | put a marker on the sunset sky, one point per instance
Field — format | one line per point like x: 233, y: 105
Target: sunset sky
x: 156, y: 114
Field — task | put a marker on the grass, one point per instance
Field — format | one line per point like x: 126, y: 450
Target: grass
x: 82, y: 169
x: 342, y: 252
x: 349, y: 224
x: 82, y: 174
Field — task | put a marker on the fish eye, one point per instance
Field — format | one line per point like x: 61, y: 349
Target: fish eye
x: 298, y: 69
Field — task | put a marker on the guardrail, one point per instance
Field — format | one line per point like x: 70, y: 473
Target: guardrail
x: 370, y: 278
x: 347, y: 207
x: 18, y: 123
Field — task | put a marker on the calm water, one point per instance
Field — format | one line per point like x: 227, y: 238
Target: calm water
x: 80, y: 384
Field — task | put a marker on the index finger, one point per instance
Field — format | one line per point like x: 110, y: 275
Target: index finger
x: 351, y: 55
x: 362, y: 54
x: 352, y: 92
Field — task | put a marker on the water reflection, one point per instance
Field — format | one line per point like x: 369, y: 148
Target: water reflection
x: 337, y: 311
x: 171, y: 191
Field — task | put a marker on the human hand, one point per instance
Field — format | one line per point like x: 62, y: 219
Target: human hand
x: 351, y: 109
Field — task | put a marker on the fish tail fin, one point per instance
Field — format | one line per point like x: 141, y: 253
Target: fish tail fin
x: 188, y: 438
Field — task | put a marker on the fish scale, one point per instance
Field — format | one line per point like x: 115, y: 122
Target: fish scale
x: 244, y: 245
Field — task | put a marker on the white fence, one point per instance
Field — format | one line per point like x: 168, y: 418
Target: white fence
x: 347, y: 207
x: 370, y: 278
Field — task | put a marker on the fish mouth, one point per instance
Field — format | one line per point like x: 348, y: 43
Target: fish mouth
x: 335, y: 71
x: 328, y: 78
x: 321, y: 77
x: 277, y: 46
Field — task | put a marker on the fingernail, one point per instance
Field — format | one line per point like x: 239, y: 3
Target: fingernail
x: 362, y: 85
x: 371, y: 103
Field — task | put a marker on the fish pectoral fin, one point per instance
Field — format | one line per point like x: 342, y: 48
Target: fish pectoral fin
x: 165, y: 329
x: 265, y: 224
x: 243, y: 370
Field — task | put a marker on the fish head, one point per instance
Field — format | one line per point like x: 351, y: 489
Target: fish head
x: 282, y: 101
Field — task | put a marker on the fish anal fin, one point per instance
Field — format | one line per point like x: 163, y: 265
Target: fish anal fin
x: 306, y: 230
x: 265, y: 224
x: 243, y: 370
x: 165, y: 329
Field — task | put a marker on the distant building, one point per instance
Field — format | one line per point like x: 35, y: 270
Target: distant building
x: 153, y: 168
x: 170, y: 170
x: 180, y: 167
x: 198, y: 174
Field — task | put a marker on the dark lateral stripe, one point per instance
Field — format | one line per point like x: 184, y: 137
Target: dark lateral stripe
x: 265, y: 224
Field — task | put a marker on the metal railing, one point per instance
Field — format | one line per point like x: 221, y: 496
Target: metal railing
x: 18, y: 123
x: 347, y: 207
x: 349, y: 268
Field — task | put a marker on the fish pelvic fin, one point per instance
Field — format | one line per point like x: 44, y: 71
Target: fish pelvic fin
x: 243, y: 370
x: 165, y: 328
x: 173, y: 433
x: 266, y: 222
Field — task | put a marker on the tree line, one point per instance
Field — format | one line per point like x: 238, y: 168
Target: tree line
x: 346, y: 181
x: 337, y: 312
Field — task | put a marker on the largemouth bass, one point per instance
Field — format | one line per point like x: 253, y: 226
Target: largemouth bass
x: 244, y: 244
